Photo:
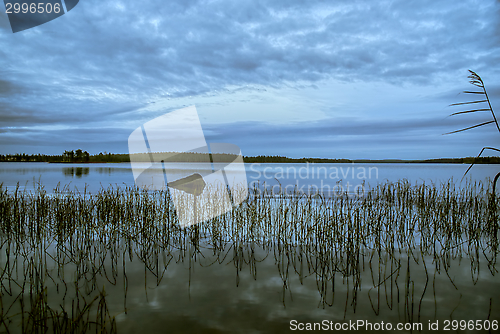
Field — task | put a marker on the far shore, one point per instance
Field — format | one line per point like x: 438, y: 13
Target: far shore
x: 200, y: 157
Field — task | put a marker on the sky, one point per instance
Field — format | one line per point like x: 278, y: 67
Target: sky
x: 299, y: 78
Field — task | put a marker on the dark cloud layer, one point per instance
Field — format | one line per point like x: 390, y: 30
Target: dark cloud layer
x: 356, y: 139
x: 103, y: 61
x: 340, y: 138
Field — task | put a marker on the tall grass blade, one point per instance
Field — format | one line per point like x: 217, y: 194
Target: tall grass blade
x: 469, y: 111
x: 471, y: 102
x: 470, y: 127
x: 484, y: 148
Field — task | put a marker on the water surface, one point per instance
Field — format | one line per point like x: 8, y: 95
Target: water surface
x: 303, y: 176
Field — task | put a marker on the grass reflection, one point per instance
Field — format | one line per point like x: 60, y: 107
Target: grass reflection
x: 385, y: 253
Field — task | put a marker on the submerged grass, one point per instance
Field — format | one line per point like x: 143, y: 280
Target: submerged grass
x: 58, y: 249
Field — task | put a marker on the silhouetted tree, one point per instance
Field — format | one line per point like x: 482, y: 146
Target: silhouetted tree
x: 69, y: 156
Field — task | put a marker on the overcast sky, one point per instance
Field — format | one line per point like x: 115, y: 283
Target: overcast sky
x: 337, y: 79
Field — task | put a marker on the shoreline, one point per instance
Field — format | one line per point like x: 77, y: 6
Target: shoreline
x: 300, y: 161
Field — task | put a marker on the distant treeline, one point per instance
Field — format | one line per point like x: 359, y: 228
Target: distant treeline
x: 67, y: 156
x: 83, y: 156
x: 280, y: 159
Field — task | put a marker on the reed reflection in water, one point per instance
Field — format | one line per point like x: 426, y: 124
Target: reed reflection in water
x: 76, y: 171
x: 116, y: 260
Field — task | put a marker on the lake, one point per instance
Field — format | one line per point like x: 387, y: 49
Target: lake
x: 326, y: 177
x: 413, y: 257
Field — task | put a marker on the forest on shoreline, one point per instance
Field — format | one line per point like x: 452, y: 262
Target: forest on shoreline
x: 80, y: 156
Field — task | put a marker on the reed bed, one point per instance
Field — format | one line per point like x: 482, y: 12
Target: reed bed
x: 61, y: 250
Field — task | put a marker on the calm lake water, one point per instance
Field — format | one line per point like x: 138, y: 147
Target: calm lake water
x: 226, y: 279
x: 327, y: 177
